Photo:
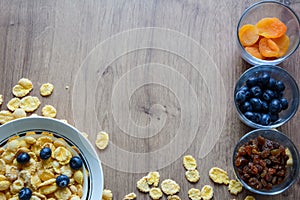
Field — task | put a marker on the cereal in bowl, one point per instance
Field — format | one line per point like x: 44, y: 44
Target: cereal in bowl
x: 35, y: 167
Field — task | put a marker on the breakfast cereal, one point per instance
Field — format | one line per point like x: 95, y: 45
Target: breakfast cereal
x: 142, y: 185
x: 30, y: 103
x: 219, y: 175
x: 107, y: 194
x: 1, y: 99
x: 102, y: 140
x: 169, y: 187
x: 235, y: 187
x: 23, y: 87
x: 189, y: 162
x: 49, y: 111
x: 249, y: 197
x: 155, y: 193
x: 13, y: 104
x: 207, y: 192
x: 46, y: 89
x: 194, y: 194
x: 5, y: 116
x: 130, y: 196
x: 173, y: 197
x: 153, y: 178
x: 19, y: 113
x: 192, y: 176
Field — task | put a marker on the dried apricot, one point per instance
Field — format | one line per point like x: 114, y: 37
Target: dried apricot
x: 268, y: 48
x: 254, y: 51
x: 271, y: 27
x: 283, y: 43
x: 248, y: 35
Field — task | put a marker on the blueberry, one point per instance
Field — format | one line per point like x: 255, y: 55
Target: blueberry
x: 246, y: 106
x: 256, y: 91
x: 250, y: 116
x: 257, y: 117
x: 45, y: 153
x: 278, y: 94
x: 271, y: 84
x: 62, y: 181
x: 265, y: 119
x: 275, y: 106
x: 264, y: 106
x: 268, y: 95
x: 76, y: 162
x: 252, y: 81
x: 246, y: 90
x: 240, y: 97
x: 256, y: 104
x: 264, y: 79
x: 279, y: 86
x: 284, y: 103
x: 274, y: 117
x: 23, y: 158
x: 25, y: 194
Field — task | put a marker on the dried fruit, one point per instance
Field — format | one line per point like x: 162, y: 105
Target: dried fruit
x: 271, y: 27
x: 248, y: 35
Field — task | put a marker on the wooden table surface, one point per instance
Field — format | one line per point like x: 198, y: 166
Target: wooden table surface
x: 157, y: 75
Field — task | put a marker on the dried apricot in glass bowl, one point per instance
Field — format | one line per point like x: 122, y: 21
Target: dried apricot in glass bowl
x: 268, y: 33
x: 266, y: 162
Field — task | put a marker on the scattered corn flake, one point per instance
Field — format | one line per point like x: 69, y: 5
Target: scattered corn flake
x: 173, y: 197
x: 207, y: 192
x: 102, y: 140
x: 5, y: 116
x: 19, y: 113
x: 49, y: 111
x: 84, y: 134
x: 107, y: 194
x: 194, y: 194
x: 13, y: 104
x: 30, y: 103
x: 19, y: 91
x: 170, y: 187
x: 192, y: 176
x: 142, y: 185
x: 289, y: 162
x: 46, y: 89
x: 25, y: 83
x: 249, y: 197
x: 235, y: 187
x: 1, y: 99
x: 155, y: 193
x: 189, y: 162
x: 153, y: 178
x: 218, y: 175
x: 130, y: 196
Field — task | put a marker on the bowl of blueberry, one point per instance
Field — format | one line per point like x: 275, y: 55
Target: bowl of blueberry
x: 46, y: 158
x: 266, y: 96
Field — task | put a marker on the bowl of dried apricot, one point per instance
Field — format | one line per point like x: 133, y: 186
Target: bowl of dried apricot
x: 266, y: 162
x: 268, y: 33
x: 44, y: 158
x: 266, y: 96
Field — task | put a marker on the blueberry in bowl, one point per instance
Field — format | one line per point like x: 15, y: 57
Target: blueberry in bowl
x: 266, y: 96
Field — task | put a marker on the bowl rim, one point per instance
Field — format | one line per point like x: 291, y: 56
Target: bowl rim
x: 66, y: 131
x: 259, y: 191
x: 267, y: 67
x: 255, y: 60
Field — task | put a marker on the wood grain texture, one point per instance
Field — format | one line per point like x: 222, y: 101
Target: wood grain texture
x: 58, y: 41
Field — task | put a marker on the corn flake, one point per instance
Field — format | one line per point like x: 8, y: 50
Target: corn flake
x: 13, y: 104
x: 19, y: 113
x: 194, y: 194
x: 130, y: 196
x: 25, y: 83
x: 189, y: 162
x: 30, y: 103
x: 1, y: 99
x: 249, y: 197
x: 20, y: 91
x: 5, y: 116
x: 235, y: 187
x: 218, y: 175
x: 173, y: 197
x: 49, y: 111
x: 4, y: 185
x: 207, y: 192
x: 46, y: 89
x: 62, y: 155
x: 153, y: 178
x: 142, y: 185
x: 155, y: 193
x: 107, y: 194
x: 63, y: 193
x: 289, y: 162
x: 192, y: 176
x: 170, y: 187
x: 102, y: 140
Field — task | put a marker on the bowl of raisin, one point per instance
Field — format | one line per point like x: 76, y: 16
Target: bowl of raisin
x: 266, y: 96
x: 266, y: 162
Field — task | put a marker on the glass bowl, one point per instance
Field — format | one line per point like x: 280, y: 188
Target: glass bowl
x: 270, y: 9
x: 290, y: 93
x: 292, y: 169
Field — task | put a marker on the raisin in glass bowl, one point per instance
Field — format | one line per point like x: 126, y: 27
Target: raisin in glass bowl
x: 266, y: 162
x: 266, y: 96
